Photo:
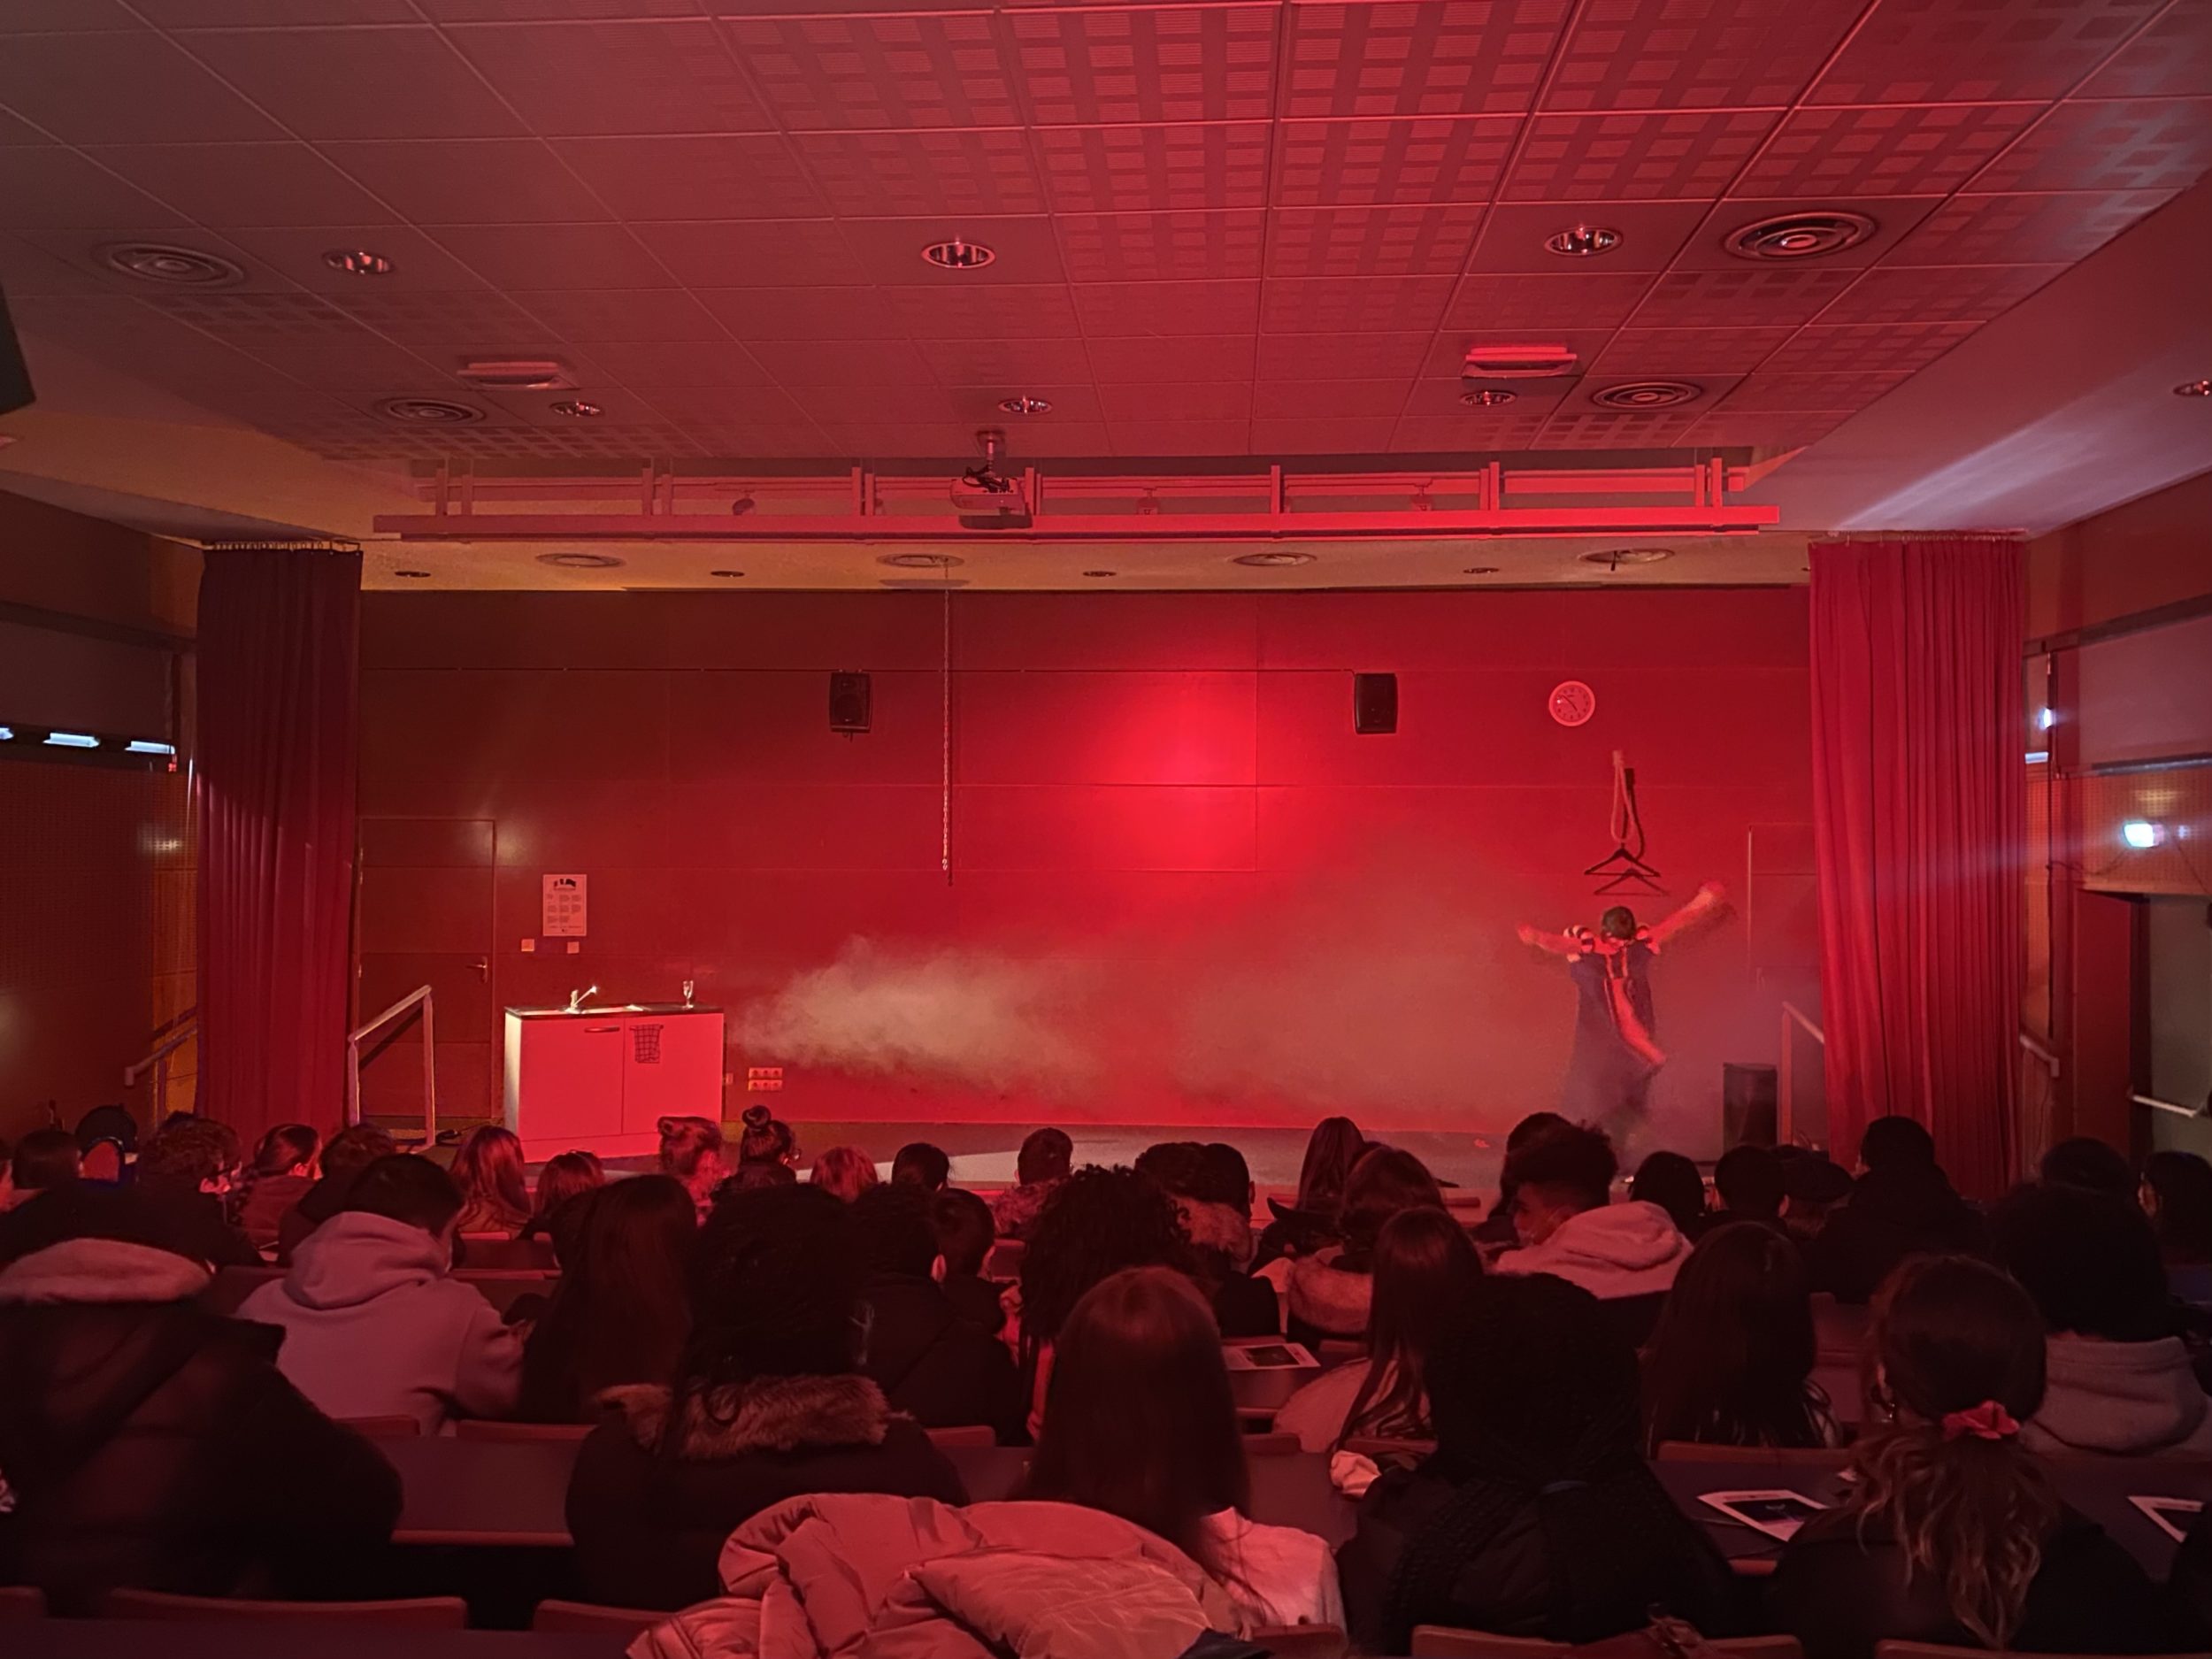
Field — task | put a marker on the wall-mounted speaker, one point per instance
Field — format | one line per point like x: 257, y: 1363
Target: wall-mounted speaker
x: 1749, y: 1097
x: 15, y: 380
x: 1374, y: 703
x: 850, y: 701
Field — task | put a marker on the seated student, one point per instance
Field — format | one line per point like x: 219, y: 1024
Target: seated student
x: 488, y: 1170
x: 1425, y: 1266
x: 42, y: 1160
x: 345, y: 1156
x: 151, y: 1444
x: 185, y: 1171
x: 930, y: 1362
x: 1750, y: 1184
x: 1329, y: 1291
x: 1139, y: 1422
x: 1901, y: 1205
x: 1950, y: 1530
x: 1672, y: 1181
x: 619, y: 1313
x: 1538, y: 1515
x: 1212, y: 1189
x: 844, y: 1173
x: 1624, y: 1255
x: 567, y: 1175
x: 1039, y: 1167
x: 2118, y: 1374
x: 1812, y: 1188
x: 1732, y: 1361
x: 1308, y: 1223
x: 283, y: 1169
x: 766, y: 1139
x: 2085, y: 1162
x: 767, y: 1402
x: 1495, y: 1231
x: 2177, y: 1195
x: 965, y: 1230
x: 921, y: 1165
x: 373, y: 1326
x: 692, y: 1152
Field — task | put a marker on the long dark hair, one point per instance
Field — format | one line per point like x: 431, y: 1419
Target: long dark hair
x: 2179, y: 1185
x: 1382, y: 1184
x: 1952, y: 1334
x: 1423, y: 1266
x: 1731, y: 1362
x: 1333, y: 1147
x: 621, y: 1310
x: 1138, y: 1419
x: 1672, y: 1181
x: 567, y: 1175
x: 1095, y: 1223
x: 285, y: 1149
x: 488, y: 1171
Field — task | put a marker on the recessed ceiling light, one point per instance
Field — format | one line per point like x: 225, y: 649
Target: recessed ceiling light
x: 1481, y: 570
x: 1272, y: 560
x: 1614, y: 557
x: 958, y: 255
x: 1647, y: 394
x: 728, y: 576
x: 357, y: 262
x: 1581, y: 242
x: 1487, y: 397
x: 920, y: 561
x: 1799, y: 235
x: 1101, y: 573
x: 428, y: 412
x: 578, y: 409
x: 178, y: 267
x: 413, y: 576
x: 582, y: 561
x: 2193, y: 388
x: 1026, y: 405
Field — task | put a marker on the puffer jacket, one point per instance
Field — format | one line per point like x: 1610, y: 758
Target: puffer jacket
x: 917, y: 1580
x: 1614, y: 1252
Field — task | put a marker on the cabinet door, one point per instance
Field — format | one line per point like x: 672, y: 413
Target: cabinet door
x: 570, y: 1086
x: 673, y: 1068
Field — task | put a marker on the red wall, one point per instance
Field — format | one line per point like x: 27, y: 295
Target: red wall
x: 1177, y: 872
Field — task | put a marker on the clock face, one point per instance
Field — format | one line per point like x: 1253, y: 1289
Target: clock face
x: 1572, y: 703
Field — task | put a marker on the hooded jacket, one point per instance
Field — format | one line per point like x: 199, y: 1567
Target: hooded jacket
x: 935, y: 1366
x: 374, y: 1327
x: 1613, y: 1252
x: 149, y: 1443
x: 2120, y: 1399
x: 651, y: 1501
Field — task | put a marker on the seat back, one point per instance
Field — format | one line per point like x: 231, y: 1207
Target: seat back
x: 965, y: 1435
x: 1301, y: 1641
x: 391, y: 1428
x: 485, y: 1429
x: 103, y: 1161
x: 1272, y: 1443
x: 503, y: 1287
x: 1440, y: 1641
x: 22, y: 1600
x: 533, y: 1256
x: 1691, y: 1452
x: 1936, y: 1650
x: 429, y: 1612
x: 581, y: 1618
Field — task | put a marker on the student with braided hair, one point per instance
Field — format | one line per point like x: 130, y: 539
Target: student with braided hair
x: 1536, y: 1515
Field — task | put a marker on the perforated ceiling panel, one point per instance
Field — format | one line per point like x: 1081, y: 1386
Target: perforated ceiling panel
x: 1249, y: 227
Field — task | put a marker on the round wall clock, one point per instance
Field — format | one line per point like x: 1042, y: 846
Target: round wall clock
x: 1572, y: 703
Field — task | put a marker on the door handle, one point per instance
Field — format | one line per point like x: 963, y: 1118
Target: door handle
x: 483, y: 968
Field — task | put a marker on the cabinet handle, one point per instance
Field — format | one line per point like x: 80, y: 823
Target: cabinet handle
x: 593, y: 1028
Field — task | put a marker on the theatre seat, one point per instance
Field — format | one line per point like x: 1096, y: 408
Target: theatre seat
x: 1691, y: 1452
x: 1301, y: 1641
x: 1439, y: 1641
x: 581, y: 1618
x: 498, y: 1253
x: 22, y: 1600
x: 391, y: 1428
x: 429, y: 1612
x: 1272, y: 1443
x: 483, y: 1429
x: 966, y: 1434
x: 1935, y: 1650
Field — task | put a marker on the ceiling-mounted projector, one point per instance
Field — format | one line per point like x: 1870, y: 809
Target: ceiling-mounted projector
x: 986, y: 498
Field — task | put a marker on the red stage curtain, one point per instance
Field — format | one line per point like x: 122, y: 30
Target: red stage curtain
x: 278, y: 659
x: 1918, y: 805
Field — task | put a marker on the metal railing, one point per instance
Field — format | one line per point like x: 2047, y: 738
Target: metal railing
x: 419, y: 997
x: 1795, y: 1020
x: 167, y: 1038
x: 2175, y: 1107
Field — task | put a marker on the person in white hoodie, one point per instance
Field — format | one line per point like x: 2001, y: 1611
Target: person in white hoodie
x: 2119, y: 1381
x: 373, y: 1325
x: 1624, y: 1255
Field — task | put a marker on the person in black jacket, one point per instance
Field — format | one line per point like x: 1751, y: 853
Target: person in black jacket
x: 930, y: 1362
x: 1902, y: 1205
x: 185, y: 1172
x: 964, y: 1235
x: 1952, y: 1533
x: 1536, y: 1516
x: 149, y: 1443
x: 767, y: 1404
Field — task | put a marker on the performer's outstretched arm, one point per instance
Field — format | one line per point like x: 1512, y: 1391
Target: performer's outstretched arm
x: 1709, y: 904
x: 1556, y: 944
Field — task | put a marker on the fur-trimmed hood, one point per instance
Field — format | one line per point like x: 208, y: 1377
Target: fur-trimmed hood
x: 1222, y: 1227
x: 100, y: 1271
x: 773, y: 1414
x: 1328, y: 1297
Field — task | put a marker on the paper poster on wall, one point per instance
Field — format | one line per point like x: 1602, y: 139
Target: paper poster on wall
x: 564, y: 908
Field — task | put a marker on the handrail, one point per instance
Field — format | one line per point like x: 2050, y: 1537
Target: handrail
x: 1792, y: 1012
x: 420, y: 994
x: 2049, y: 1060
x: 2175, y: 1107
x: 180, y: 1028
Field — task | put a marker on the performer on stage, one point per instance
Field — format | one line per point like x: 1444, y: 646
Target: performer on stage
x: 1615, y: 1054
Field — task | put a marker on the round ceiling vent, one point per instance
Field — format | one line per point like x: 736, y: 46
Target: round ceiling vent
x: 1272, y: 560
x: 176, y: 268
x: 428, y: 412
x: 1614, y: 557
x: 1800, y: 236
x: 958, y: 255
x: 582, y: 561
x: 921, y: 561
x: 1646, y: 394
x: 1026, y: 405
x: 1583, y: 242
x: 1486, y: 397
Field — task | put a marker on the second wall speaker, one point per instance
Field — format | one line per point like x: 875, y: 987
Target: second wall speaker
x: 1374, y: 704
x: 850, y: 701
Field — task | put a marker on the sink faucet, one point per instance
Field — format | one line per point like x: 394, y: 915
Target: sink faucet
x: 576, y: 998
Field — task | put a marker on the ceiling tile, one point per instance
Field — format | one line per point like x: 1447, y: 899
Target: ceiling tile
x: 1301, y: 306
x: 1344, y: 356
x: 1468, y: 326
x: 1470, y: 433
x: 2023, y: 229
x: 556, y: 255
x: 1040, y: 313
x: 619, y: 410
x: 2171, y: 58
x: 1764, y: 431
x: 26, y: 17
x: 1324, y: 435
x: 844, y: 363
x: 122, y: 88
x: 1180, y: 437
x: 2131, y: 144
x: 45, y: 185
x: 1581, y: 301
x: 917, y: 70
x: 482, y: 181
x: 26, y: 269
x: 804, y: 313
x: 14, y: 130
x: 657, y: 367
x: 899, y: 400
x: 173, y: 14
x: 1937, y: 294
x: 885, y: 441
x: 667, y: 75
x: 890, y: 250
x: 1221, y: 400
x: 1012, y: 365
x: 769, y: 253
x: 1104, y: 64
x: 1616, y: 429
x: 227, y: 186
x: 354, y: 366
x: 1143, y: 247
x: 1885, y: 150
x: 356, y: 83
x: 1370, y: 240
x: 1668, y: 353
x: 553, y: 11
x: 454, y: 325
x: 1751, y: 295
x: 1651, y: 234
x: 870, y: 175
x: 1879, y: 349
x: 1427, y: 58
x: 1658, y: 158
x: 1350, y: 163
x: 252, y: 322
x: 1159, y: 362
x: 1977, y: 50
x: 739, y: 177
x: 417, y: 261
x: 1291, y: 399
x: 1695, y: 54
x: 1835, y: 389
x: 80, y: 250
x: 734, y: 402
x: 1054, y: 437
x: 1168, y: 308
x: 1112, y: 169
x: 586, y: 315
x: 1072, y: 405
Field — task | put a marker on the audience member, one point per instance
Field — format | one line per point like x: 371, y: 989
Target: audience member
x: 185, y: 1171
x: 1309, y: 1222
x: 1329, y: 1292
x: 1424, y: 1267
x: 150, y: 1443
x: 1672, y: 1181
x: 42, y: 1160
x: 2177, y: 1195
x: 1949, y: 1533
x: 692, y: 1151
x: 345, y: 1156
x: 1139, y: 1422
x: 1750, y: 1184
x: 844, y: 1173
x: 766, y: 1139
x: 1626, y: 1254
x: 494, y: 1196
x: 110, y: 1122
x: 752, y: 1178
x: 2085, y: 1162
x: 621, y: 1310
x: 931, y: 1363
x: 1212, y: 1190
x: 767, y: 1404
x: 567, y: 1175
x: 283, y: 1170
x: 921, y: 1165
x: 1536, y: 1515
x: 965, y: 1231
x: 1901, y: 1205
x: 373, y: 1326
x: 1732, y: 1361
x: 1496, y: 1231
x: 1039, y: 1167
x: 2118, y: 1378
x: 1812, y: 1188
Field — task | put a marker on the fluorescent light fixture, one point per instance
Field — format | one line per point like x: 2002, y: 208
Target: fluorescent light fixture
x: 140, y: 746
x: 2038, y: 757
x: 2045, y: 719
x: 7, y: 734
x: 71, y: 739
x: 2141, y: 835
